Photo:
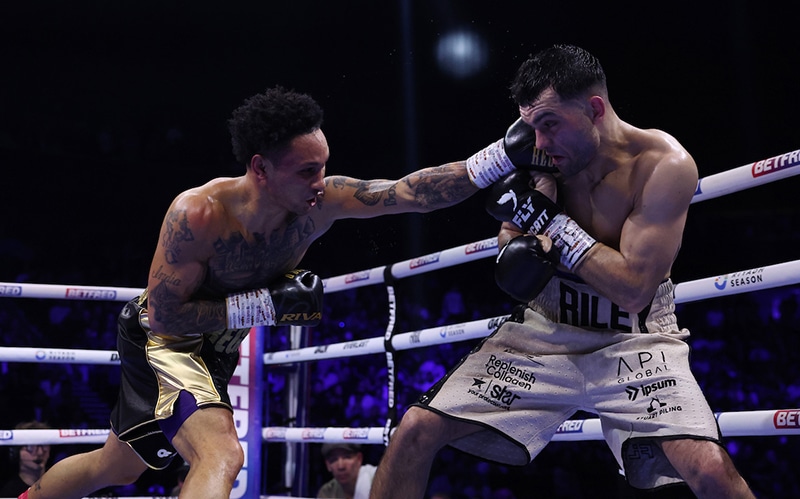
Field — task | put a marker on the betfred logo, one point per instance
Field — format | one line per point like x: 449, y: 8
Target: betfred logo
x: 771, y: 165
x: 424, y: 260
x: 90, y: 294
x: 10, y: 290
x: 81, y: 433
x: 787, y: 418
x: 485, y: 245
x: 356, y: 433
x: 313, y: 434
x: 571, y: 426
x: 276, y: 433
x: 357, y: 276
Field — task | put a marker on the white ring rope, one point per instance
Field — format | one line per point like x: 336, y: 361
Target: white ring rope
x: 745, y: 423
x: 58, y: 356
x: 716, y: 185
x: 747, y: 176
x: 732, y: 424
x: 744, y: 281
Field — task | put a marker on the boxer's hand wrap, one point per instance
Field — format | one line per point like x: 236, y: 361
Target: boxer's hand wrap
x: 516, y: 150
x: 513, y: 200
x: 250, y: 308
x: 488, y: 165
x: 293, y: 299
x: 569, y: 238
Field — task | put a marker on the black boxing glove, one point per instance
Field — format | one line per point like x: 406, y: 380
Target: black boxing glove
x: 516, y: 150
x: 524, y: 268
x: 512, y: 199
x: 295, y: 299
x: 519, y: 145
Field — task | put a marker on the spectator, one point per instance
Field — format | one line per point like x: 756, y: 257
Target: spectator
x: 351, y: 478
x: 30, y: 461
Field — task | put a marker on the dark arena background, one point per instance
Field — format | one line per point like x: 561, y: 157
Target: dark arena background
x: 110, y: 109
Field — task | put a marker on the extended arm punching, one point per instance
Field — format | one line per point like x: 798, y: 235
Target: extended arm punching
x: 437, y: 187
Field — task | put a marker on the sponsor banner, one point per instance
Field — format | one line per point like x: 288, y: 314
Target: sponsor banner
x: 571, y: 426
x: 81, y: 433
x: 776, y: 163
x: 90, y: 294
x: 246, y: 402
x: 355, y: 433
x: 423, y: 261
x: 787, y: 419
x: 481, y: 246
x: 745, y: 281
x: 10, y: 290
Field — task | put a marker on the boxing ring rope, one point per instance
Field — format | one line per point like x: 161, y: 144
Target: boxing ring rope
x: 732, y: 424
x: 744, y: 423
x: 745, y: 281
x: 719, y: 184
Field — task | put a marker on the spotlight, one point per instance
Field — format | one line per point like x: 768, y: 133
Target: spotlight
x: 461, y: 54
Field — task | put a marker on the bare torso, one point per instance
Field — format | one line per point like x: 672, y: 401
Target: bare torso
x: 633, y: 198
x: 237, y: 234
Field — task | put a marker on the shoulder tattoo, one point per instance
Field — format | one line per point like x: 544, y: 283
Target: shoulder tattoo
x: 176, y: 231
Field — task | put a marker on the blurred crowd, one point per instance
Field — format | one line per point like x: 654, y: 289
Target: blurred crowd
x: 743, y: 354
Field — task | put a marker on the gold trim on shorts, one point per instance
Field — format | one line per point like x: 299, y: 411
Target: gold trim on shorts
x: 178, y: 366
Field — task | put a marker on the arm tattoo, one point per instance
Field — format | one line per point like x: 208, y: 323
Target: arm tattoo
x: 199, y: 316
x: 440, y: 186
x: 431, y: 188
x: 176, y: 230
x: 369, y: 192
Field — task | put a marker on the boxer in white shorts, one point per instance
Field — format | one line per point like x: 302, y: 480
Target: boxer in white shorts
x: 630, y: 369
x: 605, y: 202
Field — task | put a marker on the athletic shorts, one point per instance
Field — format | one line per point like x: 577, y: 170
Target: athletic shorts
x: 165, y: 379
x: 572, y: 349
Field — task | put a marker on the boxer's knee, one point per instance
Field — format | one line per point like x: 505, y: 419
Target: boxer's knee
x: 428, y: 431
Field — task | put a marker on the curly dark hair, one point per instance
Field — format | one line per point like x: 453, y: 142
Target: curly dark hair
x: 568, y: 69
x: 268, y: 121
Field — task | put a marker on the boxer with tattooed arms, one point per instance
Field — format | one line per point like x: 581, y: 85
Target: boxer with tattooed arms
x: 587, y: 244
x: 227, y: 260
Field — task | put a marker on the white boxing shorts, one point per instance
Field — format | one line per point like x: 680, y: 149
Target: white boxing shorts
x: 572, y: 349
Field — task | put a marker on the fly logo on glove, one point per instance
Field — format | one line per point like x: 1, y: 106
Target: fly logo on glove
x: 512, y: 199
x: 526, y: 215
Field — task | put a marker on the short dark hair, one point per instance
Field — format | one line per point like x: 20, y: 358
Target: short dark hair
x: 348, y: 447
x: 267, y: 122
x: 568, y: 69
